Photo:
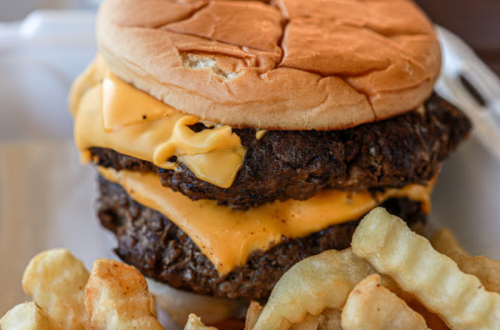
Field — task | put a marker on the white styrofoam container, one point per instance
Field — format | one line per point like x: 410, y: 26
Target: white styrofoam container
x: 16, y: 10
x: 40, y: 56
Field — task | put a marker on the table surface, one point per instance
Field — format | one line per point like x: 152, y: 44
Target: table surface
x: 476, y: 21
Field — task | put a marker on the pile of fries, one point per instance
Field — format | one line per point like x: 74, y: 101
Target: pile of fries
x: 391, y: 278
x: 66, y: 296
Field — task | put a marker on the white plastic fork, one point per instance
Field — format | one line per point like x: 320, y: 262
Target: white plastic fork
x: 461, y: 61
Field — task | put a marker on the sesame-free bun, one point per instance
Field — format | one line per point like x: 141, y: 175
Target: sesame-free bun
x: 287, y: 64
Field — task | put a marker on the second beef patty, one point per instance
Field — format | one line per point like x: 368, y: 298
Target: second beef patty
x: 159, y: 249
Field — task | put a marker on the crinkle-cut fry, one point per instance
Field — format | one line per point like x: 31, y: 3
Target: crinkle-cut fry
x: 28, y: 316
x: 314, y: 284
x: 117, y: 298
x: 328, y: 320
x: 371, y: 306
x: 331, y: 321
x: 194, y: 323
x: 393, y: 249
x: 443, y: 241
x: 56, y: 280
x: 485, y: 269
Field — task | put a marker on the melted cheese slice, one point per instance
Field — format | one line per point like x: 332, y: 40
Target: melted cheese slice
x: 228, y: 237
x: 123, y: 105
x: 109, y: 113
x: 260, y: 133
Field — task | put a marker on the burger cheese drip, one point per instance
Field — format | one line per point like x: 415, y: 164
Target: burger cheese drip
x: 228, y: 237
x: 110, y: 113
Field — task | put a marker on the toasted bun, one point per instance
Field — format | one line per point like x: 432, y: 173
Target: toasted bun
x: 291, y: 64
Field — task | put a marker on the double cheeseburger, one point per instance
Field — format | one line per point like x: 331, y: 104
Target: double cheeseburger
x: 235, y: 138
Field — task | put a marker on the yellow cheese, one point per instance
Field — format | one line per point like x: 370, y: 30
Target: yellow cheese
x: 109, y: 113
x: 260, y: 134
x: 123, y: 105
x: 228, y: 237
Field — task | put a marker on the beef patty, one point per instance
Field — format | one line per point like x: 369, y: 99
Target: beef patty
x: 298, y: 164
x: 159, y: 249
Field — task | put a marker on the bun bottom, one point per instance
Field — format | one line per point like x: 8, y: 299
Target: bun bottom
x: 226, y: 314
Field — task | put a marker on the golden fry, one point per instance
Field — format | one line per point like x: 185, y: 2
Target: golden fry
x: 56, y: 280
x: 310, y: 322
x: 28, y: 316
x: 331, y: 321
x: 317, y: 283
x: 328, y: 320
x: 371, y: 306
x: 485, y: 269
x: 194, y: 323
x: 393, y: 249
x: 117, y: 298
x: 443, y: 241
x: 253, y: 314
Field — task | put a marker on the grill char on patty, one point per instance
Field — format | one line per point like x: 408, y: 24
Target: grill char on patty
x: 298, y: 164
x: 159, y: 249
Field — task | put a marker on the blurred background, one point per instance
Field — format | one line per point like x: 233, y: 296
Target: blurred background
x: 13, y: 10
x: 477, y: 22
